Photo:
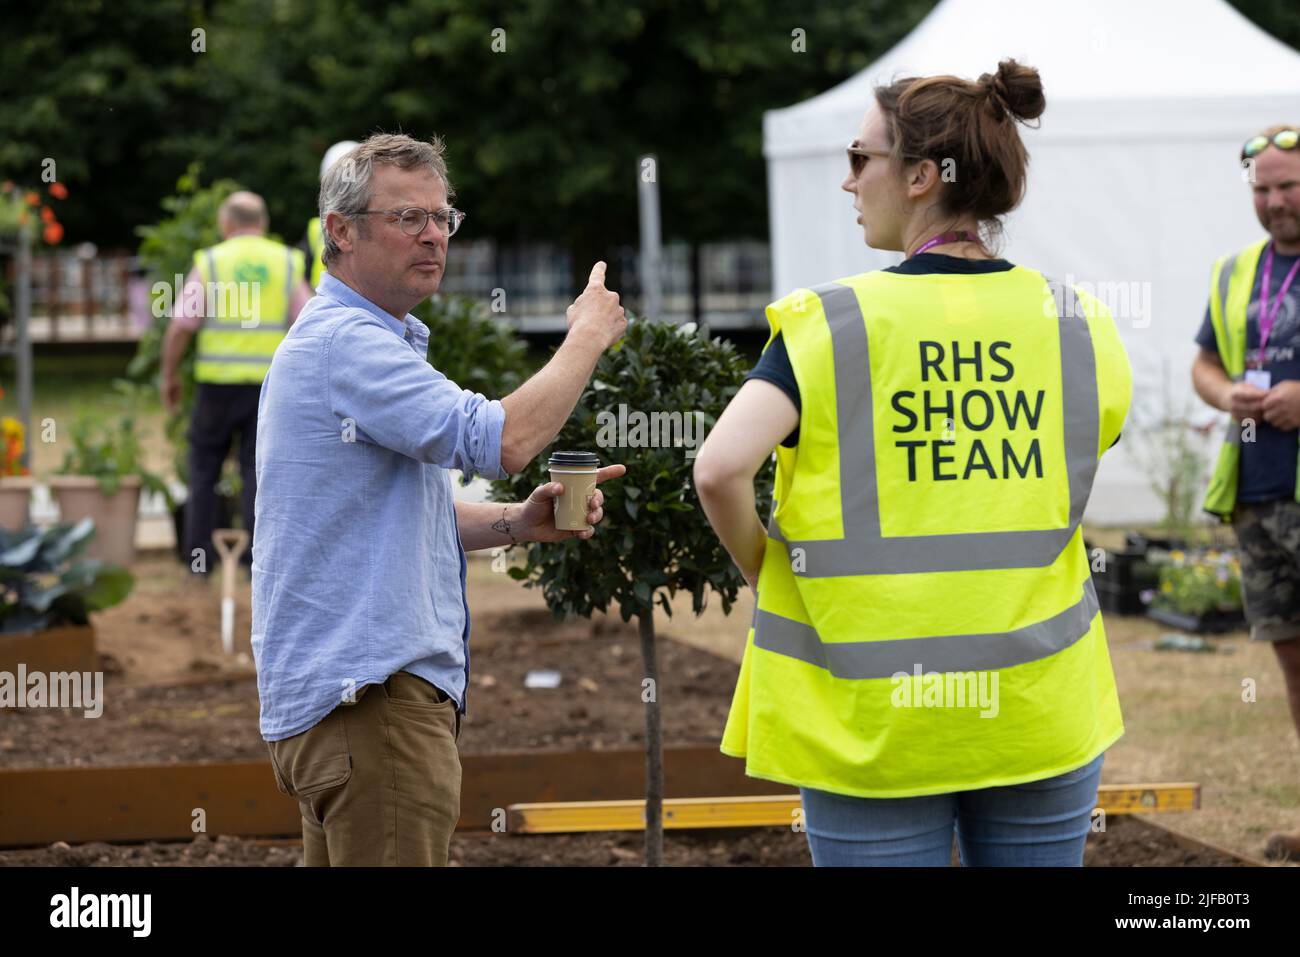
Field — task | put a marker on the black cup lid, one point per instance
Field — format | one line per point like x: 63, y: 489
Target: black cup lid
x: 583, y: 459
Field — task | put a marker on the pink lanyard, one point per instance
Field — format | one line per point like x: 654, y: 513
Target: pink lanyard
x: 1266, y: 318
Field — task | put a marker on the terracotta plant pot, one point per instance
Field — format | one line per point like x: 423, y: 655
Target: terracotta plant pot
x: 115, y: 515
x: 15, y: 501
x: 65, y: 648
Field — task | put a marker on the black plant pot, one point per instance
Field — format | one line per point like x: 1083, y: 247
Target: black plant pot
x: 1126, y: 575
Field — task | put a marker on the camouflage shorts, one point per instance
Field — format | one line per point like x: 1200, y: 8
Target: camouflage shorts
x: 1269, y: 536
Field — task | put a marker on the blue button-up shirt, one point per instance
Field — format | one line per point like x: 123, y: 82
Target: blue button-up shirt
x: 358, y: 570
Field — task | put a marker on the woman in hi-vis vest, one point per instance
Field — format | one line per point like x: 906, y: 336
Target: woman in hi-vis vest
x: 927, y: 650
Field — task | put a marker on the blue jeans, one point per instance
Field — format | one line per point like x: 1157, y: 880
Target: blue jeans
x: 1038, y: 824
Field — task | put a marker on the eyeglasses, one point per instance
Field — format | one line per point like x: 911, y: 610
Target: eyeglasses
x: 413, y: 219
x: 858, y: 158
x: 1282, y: 139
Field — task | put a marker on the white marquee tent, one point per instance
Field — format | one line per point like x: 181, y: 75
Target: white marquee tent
x: 1133, y: 179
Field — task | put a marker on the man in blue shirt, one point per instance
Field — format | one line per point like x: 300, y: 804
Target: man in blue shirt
x: 1266, y: 401
x: 360, y: 620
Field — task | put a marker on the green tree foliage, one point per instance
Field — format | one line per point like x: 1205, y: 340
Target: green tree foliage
x: 101, y: 88
x: 543, y: 135
x: 655, y: 540
x: 471, y: 348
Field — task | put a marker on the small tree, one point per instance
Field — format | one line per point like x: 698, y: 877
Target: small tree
x: 652, y: 398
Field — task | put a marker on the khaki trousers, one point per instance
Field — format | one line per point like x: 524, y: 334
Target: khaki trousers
x: 378, y: 781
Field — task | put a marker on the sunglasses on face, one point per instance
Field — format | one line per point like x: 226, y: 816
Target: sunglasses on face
x: 1283, y: 140
x: 858, y: 158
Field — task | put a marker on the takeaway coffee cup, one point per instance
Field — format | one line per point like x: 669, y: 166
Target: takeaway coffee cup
x: 576, y: 471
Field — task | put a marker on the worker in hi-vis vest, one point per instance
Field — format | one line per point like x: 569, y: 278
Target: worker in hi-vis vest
x: 1249, y: 366
x: 240, y: 298
x: 314, y: 241
x: 927, y: 650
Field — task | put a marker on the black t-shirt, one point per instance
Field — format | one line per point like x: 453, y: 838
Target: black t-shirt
x: 1268, y: 464
x: 774, y: 364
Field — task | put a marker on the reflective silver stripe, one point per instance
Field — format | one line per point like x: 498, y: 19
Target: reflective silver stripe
x: 1225, y: 278
x: 863, y: 550
x: 209, y: 322
x: 882, y: 659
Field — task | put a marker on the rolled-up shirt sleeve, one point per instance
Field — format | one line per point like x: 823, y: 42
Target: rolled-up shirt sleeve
x: 399, y: 401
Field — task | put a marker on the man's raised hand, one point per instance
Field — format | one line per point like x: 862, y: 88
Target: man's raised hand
x: 596, y: 313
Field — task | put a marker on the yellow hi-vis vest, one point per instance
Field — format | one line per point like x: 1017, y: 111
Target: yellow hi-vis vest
x: 926, y: 618
x: 1231, y: 283
x: 316, y: 240
x: 248, y: 282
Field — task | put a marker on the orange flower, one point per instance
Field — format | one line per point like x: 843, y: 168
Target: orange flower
x: 6, y: 186
x: 53, y: 233
x: 33, y: 199
x: 47, y: 214
x: 58, y: 191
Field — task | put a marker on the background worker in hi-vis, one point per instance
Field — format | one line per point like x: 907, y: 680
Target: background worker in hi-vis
x: 1249, y: 365
x: 240, y: 297
x: 927, y: 650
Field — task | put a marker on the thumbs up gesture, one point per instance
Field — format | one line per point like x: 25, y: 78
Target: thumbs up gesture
x: 596, y: 313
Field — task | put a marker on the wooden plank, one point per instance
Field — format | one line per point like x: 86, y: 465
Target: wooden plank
x: 157, y: 802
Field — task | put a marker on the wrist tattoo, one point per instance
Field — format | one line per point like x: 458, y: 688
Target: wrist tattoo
x: 503, y: 526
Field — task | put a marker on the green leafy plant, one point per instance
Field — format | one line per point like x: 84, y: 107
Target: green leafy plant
x: 655, y: 540
x: 43, y: 584
x: 1198, y: 584
x: 472, y: 349
x: 166, y: 251
x: 107, y: 448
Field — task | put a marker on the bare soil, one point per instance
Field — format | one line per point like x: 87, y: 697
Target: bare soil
x: 1127, y: 842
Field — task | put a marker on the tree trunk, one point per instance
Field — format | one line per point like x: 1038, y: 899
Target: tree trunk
x: 654, y: 746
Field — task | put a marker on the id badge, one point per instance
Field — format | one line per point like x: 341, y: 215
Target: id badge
x: 1259, y: 378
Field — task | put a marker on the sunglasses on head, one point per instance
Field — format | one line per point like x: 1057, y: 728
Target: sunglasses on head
x: 1282, y: 139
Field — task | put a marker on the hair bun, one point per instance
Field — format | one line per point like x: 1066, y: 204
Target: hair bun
x: 1017, y: 89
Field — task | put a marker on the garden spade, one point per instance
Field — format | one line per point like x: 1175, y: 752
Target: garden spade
x: 230, y: 543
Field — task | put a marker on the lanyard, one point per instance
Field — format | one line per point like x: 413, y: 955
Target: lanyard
x: 1266, y: 318
x: 961, y: 236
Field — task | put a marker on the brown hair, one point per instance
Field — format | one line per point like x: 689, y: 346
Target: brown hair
x: 946, y: 118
